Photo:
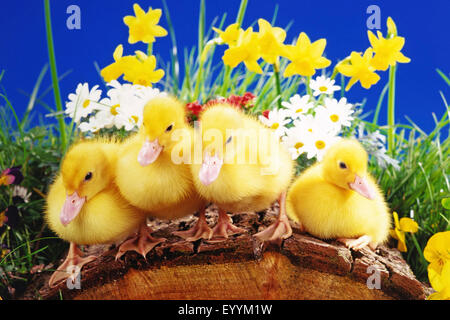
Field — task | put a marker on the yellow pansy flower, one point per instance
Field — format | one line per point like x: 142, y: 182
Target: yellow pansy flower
x: 359, y: 68
x: 144, y: 26
x: 440, y: 282
x: 305, y: 56
x: 437, y: 251
x: 246, y: 50
x: 400, y: 227
x: 270, y: 40
x: 230, y: 35
x: 387, y: 51
x: 142, y: 70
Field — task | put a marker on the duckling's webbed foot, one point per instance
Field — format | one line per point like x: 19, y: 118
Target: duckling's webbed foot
x: 71, y: 267
x: 358, y: 243
x: 281, y: 228
x: 224, y: 227
x: 201, y: 230
x: 142, y: 243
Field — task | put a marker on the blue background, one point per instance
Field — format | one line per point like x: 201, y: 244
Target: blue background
x: 424, y: 24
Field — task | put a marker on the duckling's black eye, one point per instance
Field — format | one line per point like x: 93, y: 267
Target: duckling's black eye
x: 88, y: 176
x: 169, y: 128
x: 342, y: 165
x: 229, y: 139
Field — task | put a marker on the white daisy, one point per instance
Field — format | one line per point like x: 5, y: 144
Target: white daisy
x: 82, y: 102
x: 295, y: 141
x: 323, y: 85
x: 335, y: 113
x: 312, y: 124
x: 298, y: 105
x: 276, y: 119
x: 94, y: 124
x: 318, y: 143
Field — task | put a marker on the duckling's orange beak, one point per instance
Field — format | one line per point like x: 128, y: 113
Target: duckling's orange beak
x: 71, y: 208
x: 149, y: 152
x: 210, y: 169
x: 361, y: 186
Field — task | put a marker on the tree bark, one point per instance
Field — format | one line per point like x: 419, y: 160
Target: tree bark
x: 303, y: 267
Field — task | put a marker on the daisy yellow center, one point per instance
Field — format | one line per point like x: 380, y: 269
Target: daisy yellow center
x: 299, y: 110
x: 334, y: 118
x: 114, y: 109
x: 323, y: 88
x: 310, y: 130
x: 86, y: 103
x: 320, y: 144
x: 275, y: 126
x: 135, y: 118
x: 298, y: 145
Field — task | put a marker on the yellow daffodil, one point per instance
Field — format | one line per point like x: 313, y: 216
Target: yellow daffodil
x: 142, y: 70
x: 270, y: 40
x: 400, y: 227
x: 387, y: 51
x: 359, y: 68
x: 392, y: 28
x: 246, y: 50
x: 230, y: 35
x: 440, y: 282
x: 116, y: 69
x: 437, y: 251
x: 305, y: 56
x: 144, y: 26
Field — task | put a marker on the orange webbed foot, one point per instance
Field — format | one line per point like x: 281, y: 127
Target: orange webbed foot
x: 71, y: 267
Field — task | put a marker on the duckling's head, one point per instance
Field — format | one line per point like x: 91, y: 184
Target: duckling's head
x: 85, y: 171
x: 345, y: 165
x: 217, y: 123
x: 162, y: 116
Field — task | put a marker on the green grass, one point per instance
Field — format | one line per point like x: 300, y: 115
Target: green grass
x: 419, y: 185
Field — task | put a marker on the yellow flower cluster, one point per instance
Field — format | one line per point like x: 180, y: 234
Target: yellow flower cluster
x: 140, y: 68
x: 384, y: 52
x: 437, y: 253
x: 248, y: 47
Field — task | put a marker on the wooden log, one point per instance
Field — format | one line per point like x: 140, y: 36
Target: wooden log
x: 240, y: 268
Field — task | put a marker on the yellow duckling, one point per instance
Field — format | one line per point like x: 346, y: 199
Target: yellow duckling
x: 338, y: 199
x: 85, y: 207
x: 243, y: 168
x: 153, y: 172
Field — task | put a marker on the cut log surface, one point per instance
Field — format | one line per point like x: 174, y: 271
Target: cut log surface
x: 303, y: 267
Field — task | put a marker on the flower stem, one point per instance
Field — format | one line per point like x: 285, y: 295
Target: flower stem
x: 54, y: 74
x: 277, y: 83
x: 391, y: 110
x: 308, y: 89
x: 241, y: 12
x: 150, y: 49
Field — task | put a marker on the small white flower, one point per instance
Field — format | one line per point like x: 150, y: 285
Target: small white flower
x: 22, y: 192
x: 336, y: 113
x: 295, y: 141
x: 374, y: 143
x: 312, y: 124
x: 323, y: 85
x: 94, y: 124
x: 82, y: 102
x: 298, y: 105
x: 276, y: 119
x: 318, y: 143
